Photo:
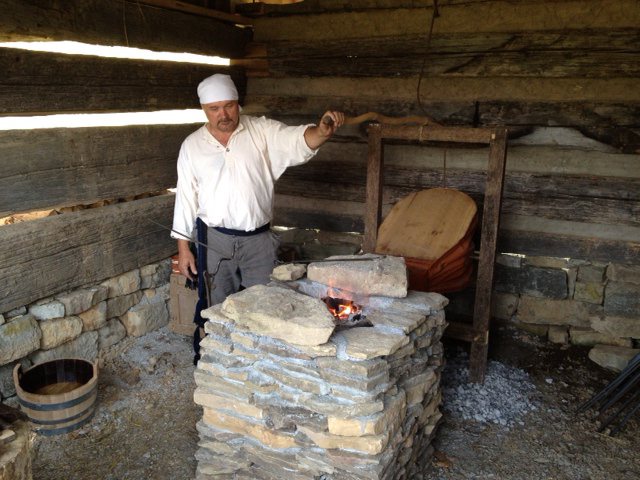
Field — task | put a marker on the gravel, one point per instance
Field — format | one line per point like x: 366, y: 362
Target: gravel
x: 504, y: 398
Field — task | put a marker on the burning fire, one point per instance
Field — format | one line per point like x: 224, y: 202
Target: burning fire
x: 343, y: 310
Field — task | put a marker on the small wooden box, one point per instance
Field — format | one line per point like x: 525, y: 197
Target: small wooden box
x: 182, y: 305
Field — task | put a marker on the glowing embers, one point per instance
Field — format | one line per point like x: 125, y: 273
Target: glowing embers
x: 345, y: 312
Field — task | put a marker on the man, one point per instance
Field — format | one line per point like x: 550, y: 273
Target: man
x: 226, y: 175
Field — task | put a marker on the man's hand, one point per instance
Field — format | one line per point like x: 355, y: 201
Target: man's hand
x: 186, y: 260
x: 329, y: 123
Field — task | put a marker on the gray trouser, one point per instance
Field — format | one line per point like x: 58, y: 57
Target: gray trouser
x: 251, y: 261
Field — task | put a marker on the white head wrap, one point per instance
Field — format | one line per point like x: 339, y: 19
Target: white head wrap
x: 217, y: 88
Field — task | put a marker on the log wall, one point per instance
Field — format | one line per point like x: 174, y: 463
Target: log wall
x: 562, y: 75
x: 66, y: 167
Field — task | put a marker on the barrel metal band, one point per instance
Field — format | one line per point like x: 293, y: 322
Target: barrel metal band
x: 57, y: 406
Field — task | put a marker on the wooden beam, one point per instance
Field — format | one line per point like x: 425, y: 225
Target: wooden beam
x: 488, y: 243
x: 67, y: 167
x: 51, y: 255
x: 375, y: 166
x: 197, y: 10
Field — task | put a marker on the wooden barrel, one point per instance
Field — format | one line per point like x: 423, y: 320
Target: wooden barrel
x: 58, y: 396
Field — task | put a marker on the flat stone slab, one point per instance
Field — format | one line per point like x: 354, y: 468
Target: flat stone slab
x: 280, y: 313
x: 367, y: 342
x: 381, y: 275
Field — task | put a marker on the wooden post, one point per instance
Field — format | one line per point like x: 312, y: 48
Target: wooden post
x: 373, y: 212
x: 488, y: 241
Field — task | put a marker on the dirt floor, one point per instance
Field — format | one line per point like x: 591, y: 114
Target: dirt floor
x: 144, y: 426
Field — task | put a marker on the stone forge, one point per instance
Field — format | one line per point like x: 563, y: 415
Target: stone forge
x: 288, y: 395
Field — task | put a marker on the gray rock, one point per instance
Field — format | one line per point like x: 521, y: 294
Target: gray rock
x: 85, y: 346
x: 111, y: 333
x: 611, y: 357
x: 622, y: 299
x: 45, y: 311
x: 18, y: 338
x: 280, y: 313
x: 143, y: 319
x: 82, y: 300
x: 624, y: 273
x: 533, y: 281
x: 57, y: 331
x: 382, y: 275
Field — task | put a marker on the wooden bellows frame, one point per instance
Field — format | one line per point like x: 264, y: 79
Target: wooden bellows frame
x: 477, y: 333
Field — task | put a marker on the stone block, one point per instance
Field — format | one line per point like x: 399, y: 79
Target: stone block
x: 394, y: 408
x: 592, y: 273
x: 156, y: 274
x: 112, y: 333
x: 545, y: 262
x: 85, y: 346
x: 288, y: 272
x: 279, y: 313
x: 590, y: 292
x: 509, y: 260
x: 254, y: 429
x: 143, y: 319
x: 48, y: 310
x: 558, y: 334
x: 2, y: 320
x: 611, y: 357
x: 57, y: 331
x: 366, y: 342
x: 572, y: 276
x: 95, y: 317
x: 382, y: 275
x: 123, y: 284
x: 543, y: 311
x: 81, y: 300
x: 212, y: 399
x: 624, y: 273
x: 622, y: 299
x: 588, y: 337
x: 117, y: 306
x: 503, y: 305
x: 617, y: 326
x: 532, y: 281
x: 18, y: 338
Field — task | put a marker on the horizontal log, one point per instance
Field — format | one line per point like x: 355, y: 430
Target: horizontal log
x: 37, y: 82
x: 128, y: 24
x: 66, y: 167
x: 585, y: 53
x: 536, y: 236
x: 490, y: 16
x: 340, y: 90
x: 609, y: 121
x: 50, y: 255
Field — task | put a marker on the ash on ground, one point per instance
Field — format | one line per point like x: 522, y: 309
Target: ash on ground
x: 504, y: 398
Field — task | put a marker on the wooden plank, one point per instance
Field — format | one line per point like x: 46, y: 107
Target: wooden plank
x: 436, y: 134
x: 55, y: 254
x: 123, y: 23
x: 375, y: 166
x: 37, y: 82
x: 66, y: 167
x: 488, y: 242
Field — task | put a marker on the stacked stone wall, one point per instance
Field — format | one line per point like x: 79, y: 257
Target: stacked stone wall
x: 83, y: 322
